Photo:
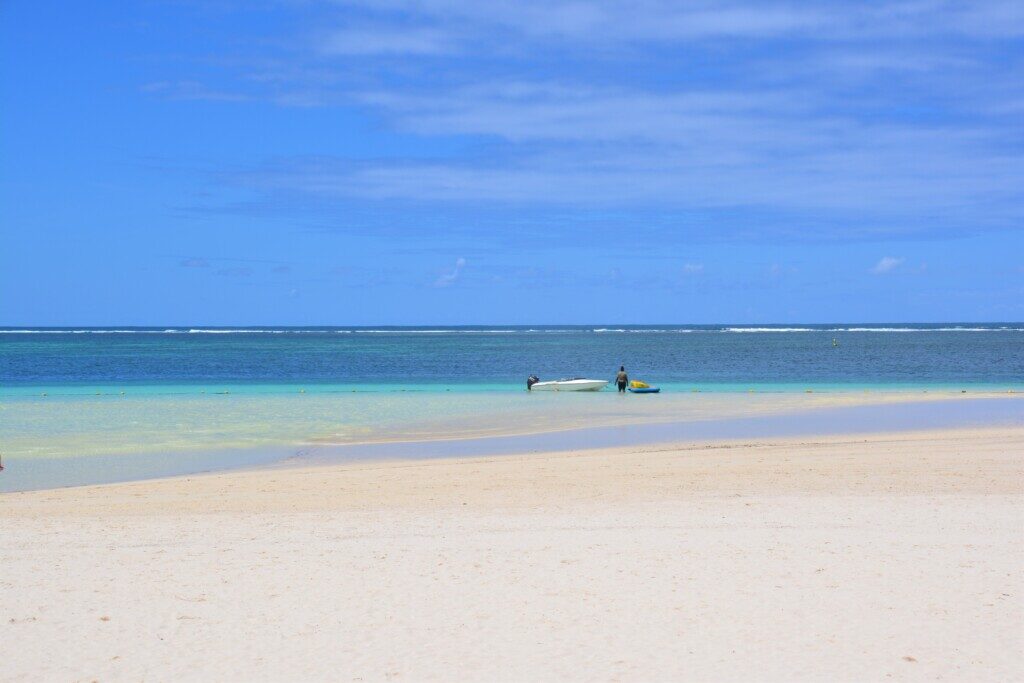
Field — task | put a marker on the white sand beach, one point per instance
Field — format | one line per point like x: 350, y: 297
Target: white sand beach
x: 836, y: 558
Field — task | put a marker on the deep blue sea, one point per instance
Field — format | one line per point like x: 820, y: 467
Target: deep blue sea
x: 894, y: 354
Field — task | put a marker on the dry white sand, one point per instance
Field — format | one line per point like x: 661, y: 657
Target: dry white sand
x: 840, y: 559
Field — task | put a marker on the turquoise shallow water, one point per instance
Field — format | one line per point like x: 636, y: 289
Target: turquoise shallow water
x: 555, y: 422
x: 124, y: 404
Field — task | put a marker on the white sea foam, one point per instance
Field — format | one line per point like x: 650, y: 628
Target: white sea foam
x: 924, y: 329
x: 208, y: 331
x: 770, y: 329
x: 442, y: 331
x: 596, y: 330
x: 650, y: 330
x: 78, y: 331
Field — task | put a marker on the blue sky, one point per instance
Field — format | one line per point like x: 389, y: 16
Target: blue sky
x: 453, y: 162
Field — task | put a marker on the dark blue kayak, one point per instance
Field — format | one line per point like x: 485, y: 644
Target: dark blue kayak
x: 645, y: 390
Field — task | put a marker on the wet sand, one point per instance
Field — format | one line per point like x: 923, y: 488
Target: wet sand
x: 838, y: 558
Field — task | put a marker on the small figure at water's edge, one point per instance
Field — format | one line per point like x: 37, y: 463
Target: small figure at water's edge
x: 622, y: 379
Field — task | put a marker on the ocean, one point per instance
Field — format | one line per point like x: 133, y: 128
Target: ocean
x: 118, y: 398
x: 897, y: 354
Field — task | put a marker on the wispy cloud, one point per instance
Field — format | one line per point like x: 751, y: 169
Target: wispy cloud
x: 244, y: 266
x: 374, y: 41
x: 693, y: 268
x: 887, y: 264
x: 449, y: 278
x: 235, y: 271
x: 700, y: 175
x: 191, y: 90
x: 889, y: 117
x: 615, y: 21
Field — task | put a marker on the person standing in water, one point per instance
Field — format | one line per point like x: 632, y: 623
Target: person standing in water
x: 622, y: 379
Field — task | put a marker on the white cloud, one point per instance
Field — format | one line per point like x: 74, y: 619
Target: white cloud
x: 705, y: 173
x: 693, y: 268
x: 447, y: 279
x: 887, y: 264
x: 801, y: 109
x: 551, y: 111
x: 612, y: 22
x: 386, y: 41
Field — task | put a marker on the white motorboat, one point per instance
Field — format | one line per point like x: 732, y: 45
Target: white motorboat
x: 570, y: 384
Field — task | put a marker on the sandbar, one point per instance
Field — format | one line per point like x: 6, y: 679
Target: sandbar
x: 859, y: 557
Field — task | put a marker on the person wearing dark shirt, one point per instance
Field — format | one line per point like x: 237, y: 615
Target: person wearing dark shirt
x: 622, y: 379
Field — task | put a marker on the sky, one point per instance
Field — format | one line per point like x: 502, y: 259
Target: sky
x: 459, y: 162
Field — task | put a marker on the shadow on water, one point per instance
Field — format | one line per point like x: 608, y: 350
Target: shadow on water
x: 30, y: 474
x: 863, y: 419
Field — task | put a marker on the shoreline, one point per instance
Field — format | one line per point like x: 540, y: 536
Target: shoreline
x: 704, y: 451
x: 821, y: 421
x: 892, y: 414
x: 148, y: 389
x: 832, y: 558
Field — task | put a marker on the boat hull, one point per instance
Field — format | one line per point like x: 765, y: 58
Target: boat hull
x: 571, y: 385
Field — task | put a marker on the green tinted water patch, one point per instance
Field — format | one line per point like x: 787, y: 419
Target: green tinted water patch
x: 70, y: 424
x: 314, y: 388
x: 61, y: 426
x: 167, y: 418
